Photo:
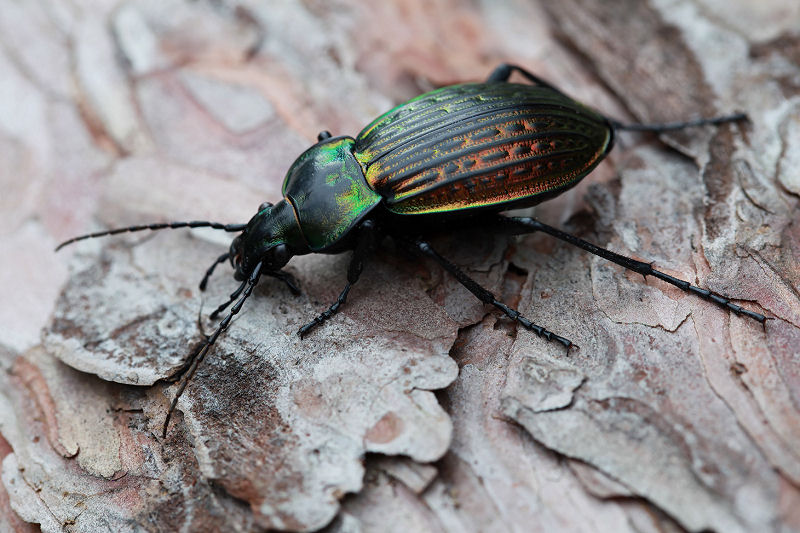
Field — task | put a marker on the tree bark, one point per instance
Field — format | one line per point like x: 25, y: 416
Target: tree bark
x: 416, y: 408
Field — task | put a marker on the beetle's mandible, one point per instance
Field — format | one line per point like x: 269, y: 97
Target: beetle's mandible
x: 462, y: 154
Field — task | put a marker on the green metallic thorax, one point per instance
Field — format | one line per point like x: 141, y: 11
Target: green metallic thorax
x: 329, y: 193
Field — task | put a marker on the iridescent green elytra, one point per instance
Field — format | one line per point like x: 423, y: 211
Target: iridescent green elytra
x: 469, y: 149
x: 478, y: 145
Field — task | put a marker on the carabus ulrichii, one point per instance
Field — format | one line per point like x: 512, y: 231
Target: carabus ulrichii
x: 460, y: 154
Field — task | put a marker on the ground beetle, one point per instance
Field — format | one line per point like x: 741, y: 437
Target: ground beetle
x: 456, y: 155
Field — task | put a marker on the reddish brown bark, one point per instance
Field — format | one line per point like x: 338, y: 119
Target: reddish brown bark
x: 416, y: 408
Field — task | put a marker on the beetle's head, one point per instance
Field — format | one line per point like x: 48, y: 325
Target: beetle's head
x: 270, y: 238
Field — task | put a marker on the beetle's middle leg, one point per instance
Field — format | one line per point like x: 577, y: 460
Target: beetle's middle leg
x: 486, y: 296
x: 367, y: 238
x: 520, y: 225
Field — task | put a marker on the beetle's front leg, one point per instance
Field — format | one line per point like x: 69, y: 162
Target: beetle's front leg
x: 486, y: 296
x: 367, y: 237
x: 218, y: 261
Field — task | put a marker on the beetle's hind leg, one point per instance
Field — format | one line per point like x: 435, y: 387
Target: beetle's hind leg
x: 503, y: 72
x: 520, y: 225
x: 674, y: 126
x: 487, y: 297
x: 367, y: 237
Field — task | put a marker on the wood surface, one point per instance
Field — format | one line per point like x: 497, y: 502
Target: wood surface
x: 416, y: 408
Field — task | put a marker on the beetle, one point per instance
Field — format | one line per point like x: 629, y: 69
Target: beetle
x: 457, y: 155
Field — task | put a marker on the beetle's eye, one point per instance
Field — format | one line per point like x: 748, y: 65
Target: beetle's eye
x: 264, y: 206
x: 321, y: 136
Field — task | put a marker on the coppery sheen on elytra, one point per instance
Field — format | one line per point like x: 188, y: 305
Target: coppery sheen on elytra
x: 480, y: 144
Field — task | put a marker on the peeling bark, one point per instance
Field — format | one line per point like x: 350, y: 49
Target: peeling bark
x: 416, y: 408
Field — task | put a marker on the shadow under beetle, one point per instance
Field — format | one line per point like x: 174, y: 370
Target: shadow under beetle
x: 459, y: 154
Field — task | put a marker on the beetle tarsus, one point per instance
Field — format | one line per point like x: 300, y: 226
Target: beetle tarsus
x: 325, y: 315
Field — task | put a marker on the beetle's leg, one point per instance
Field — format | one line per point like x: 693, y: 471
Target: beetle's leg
x: 367, y: 237
x: 518, y: 225
x: 503, y: 72
x: 200, y: 354
x: 486, y: 296
x: 221, y: 259
x: 288, y: 279
x: 672, y: 126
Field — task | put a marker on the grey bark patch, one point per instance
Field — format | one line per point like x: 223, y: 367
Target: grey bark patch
x: 277, y: 422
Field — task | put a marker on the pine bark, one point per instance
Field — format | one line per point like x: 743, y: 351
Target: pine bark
x: 416, y: 408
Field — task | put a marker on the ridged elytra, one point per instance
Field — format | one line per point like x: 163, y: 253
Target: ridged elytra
x: 460, y: 154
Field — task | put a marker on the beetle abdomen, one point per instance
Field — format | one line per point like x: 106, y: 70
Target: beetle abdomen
x: 478, y: 145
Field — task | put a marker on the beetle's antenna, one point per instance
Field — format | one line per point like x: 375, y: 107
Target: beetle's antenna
x: 672, y: 126
x: 157, y: 226
x: 201, y: 353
